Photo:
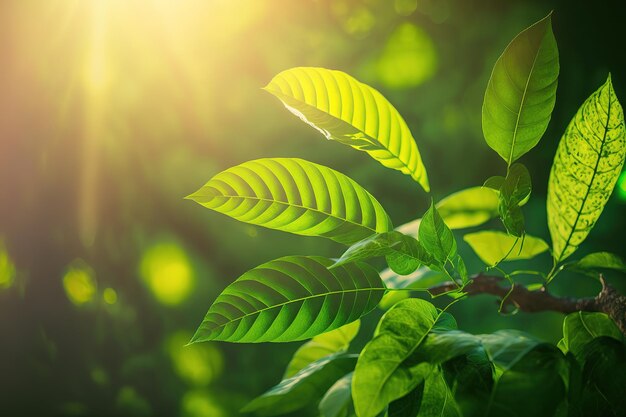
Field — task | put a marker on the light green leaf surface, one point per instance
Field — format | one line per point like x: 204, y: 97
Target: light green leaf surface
x: 322, y: 345
x: 468, y: 208
x: 582, y: 327
x: 382, y: 374
x: 291, y: 298
x: 306, y: 387
x: 586, y: 167
x: 436, y: 237
x: 352, y: 113
x: 297, y: 196
x: 493, y: 246
x: 594, y: 262
x: 337, y: 402
x: 521, y: 92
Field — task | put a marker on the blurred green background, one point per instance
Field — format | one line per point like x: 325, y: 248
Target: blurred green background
x: 112, y: 111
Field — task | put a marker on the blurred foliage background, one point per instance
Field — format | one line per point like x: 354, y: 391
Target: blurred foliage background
x: 112, y: 111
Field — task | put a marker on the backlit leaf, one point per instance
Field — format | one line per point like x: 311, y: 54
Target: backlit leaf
x: 436, y: 237
x: 322, y: 345
x: 582, y: 327
x: 521, y: 92
x: 594, y: 262
x: 291, y: 298
x: 352, y: 113
x: 297, y: 196
x: 493, y: 246
x: 468, y: 208
x: 586, y: 167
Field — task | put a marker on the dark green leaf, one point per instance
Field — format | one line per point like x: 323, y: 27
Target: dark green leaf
x: 337, y: 402
x: 582, y: 327
x: 291, y: 298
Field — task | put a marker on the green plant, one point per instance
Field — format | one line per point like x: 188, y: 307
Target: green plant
x: 418, y: 363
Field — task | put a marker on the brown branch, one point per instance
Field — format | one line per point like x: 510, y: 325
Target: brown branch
x: 608, y: 301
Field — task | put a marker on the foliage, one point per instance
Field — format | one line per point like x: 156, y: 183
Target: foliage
x: 417, y: 363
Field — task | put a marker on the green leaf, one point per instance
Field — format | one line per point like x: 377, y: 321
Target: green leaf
x: 337, y: 402
x: 322, y: 345
x: 404, y: 254
x: 352, y: 113
x: 470, y: 378
x: 582, y: 327
x: 297, y: 196
x: 437, y: 400
x: 436, y: 237
x: 306, y: 387
x: 382, y: 374
x: 594, y: 262
x: 521, y: 92
x: 409, y: 405
x: 421, y: 279
x: 291, y: 298
x: 493, y: 246
x: 586, y: 167
x: 468, y: 208
x: 516, y: 187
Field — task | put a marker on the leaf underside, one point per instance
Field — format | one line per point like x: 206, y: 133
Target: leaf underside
x: 297, y: 196
x: 586, y: 167
x: 291, y: 298
x: 352, y: 113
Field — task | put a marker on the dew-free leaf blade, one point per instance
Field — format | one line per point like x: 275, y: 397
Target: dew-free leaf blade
x: 436, y: 237
x: 593, y: 263
x: 582, y: 327
x: 586, y: 166
x: 304, y: 388
x: 289, y: 299
x: 296, y: 196
x: 468, y: 208
x: 521, y: 92
x: 493, y: 246
x: 322, y: 345
x: 352, y: 113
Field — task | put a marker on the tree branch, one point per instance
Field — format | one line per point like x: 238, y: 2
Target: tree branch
x: 608, y: 301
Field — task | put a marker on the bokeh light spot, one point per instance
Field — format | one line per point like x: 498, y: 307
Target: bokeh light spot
x: 109, y: 295
x: 198, y: 403
x: 409, y: 58
x: 7, y: 269
x: 621, y: 187
x: 79, y: 283
x: 198, y: 364
x: 167, y: 271
x: 405, y: 7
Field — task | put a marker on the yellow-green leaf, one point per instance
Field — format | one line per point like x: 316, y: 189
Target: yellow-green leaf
x: 492, y: 246
x: 467, y: 208
x: 350, y: 112
x: 586, y: 167
x: 297, y: 196
x: 521, y: 92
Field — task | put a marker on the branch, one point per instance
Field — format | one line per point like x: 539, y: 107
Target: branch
x: 608, y: 301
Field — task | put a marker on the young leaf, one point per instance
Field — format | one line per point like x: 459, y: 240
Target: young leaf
x: 297, y: 196
x: 582, y: 327
x: 493, y: 247
x: 586, y: 167
x: 594, y: 262
x: 304, y: 388
x: 352, y: 113
x: 404, y: 254
x: 436, y: 237
x: 521, y: 92
x: 468, y: 208
x: 382, y: 374
x: 322, y: 345
x: 337, y: 402
x: 291, y: 298
x: 513, y: 191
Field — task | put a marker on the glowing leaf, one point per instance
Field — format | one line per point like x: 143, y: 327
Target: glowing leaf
x: 468, y: 208
x: 586, y: 167
x: 291, y: 298
x: 350, y: 112
x: 521, y: 92
x: 296, y: 196
x: 493, y: 247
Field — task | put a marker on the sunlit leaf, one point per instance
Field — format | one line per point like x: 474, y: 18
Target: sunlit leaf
x: 297, y: 196
x: 404, y: 253
x: 306, y: 387
x: 352, y: 113
x: 436, y: 237
x: 382, y: 374
x: 593, y: 263
x: 586, y: 166
x: 322, y: 345
x: 468, y: 208
x: 421, y: 279
x: 291, y: 298
x: 521, y: 92
x: 493, y: 246
x: 513, y: 191
x: 582, y: 327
